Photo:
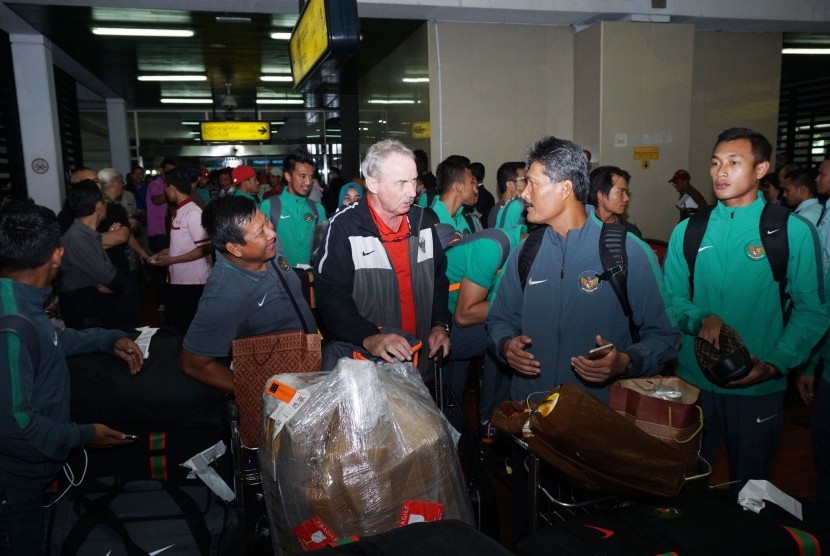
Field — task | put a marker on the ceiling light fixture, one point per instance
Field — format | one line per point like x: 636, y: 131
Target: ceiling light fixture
x: 279, y: 101
x: 415, y: 79
x: 133, y: 32
x: 281, y: 36
x: 232, y: 19
x: 278, y: 78
x: 381, y: 101
x: 805, y: 51
x: 192, y: 100
x: 172, y: 77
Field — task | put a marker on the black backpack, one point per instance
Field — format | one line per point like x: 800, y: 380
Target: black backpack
x: 276, y: 210
x: 612, y: 254
x: 773, y: 229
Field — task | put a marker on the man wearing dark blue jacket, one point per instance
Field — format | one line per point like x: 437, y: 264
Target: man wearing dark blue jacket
x: 544, y: 328
x: 35, y: 432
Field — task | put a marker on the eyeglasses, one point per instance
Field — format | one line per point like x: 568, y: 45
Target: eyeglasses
x: 517, y: 180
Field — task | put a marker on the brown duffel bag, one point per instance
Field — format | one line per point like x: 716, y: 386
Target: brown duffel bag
x: 664, y: 407
x: 597, y: 447
x: 258, y: 358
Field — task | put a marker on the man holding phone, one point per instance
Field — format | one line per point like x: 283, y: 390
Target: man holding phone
x: 544, y: 325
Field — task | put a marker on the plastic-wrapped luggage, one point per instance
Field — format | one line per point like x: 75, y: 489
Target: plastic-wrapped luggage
x: 368, y: 452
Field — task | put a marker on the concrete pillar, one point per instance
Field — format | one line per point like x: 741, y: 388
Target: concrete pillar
x: 118, y: 134
x: 633, y: 98
x: 39, y: 129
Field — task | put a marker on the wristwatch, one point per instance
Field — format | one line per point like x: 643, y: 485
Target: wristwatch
x: 443, y: 325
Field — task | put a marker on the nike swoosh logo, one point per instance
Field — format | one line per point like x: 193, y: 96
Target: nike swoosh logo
x: 160, y: 550
x: 55, y: 341
x: 765, y: 419
x: 606, y: 533
x: 770, y: 232
x: 532, y: 282
x: 261, y: 301
x: 705, y: 248
x: 368, y: 252
x: 284, y: 216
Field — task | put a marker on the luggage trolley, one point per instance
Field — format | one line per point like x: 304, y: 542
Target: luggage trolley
x: 560, y: 499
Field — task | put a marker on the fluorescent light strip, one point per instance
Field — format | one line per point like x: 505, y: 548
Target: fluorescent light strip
x: 415, y: 80
x: 806, y: 51
x: 132, y: 32
x: 281, y: 36
x: 172, y: 77
x: 279, y: 101
x: 187, y: 101
x: 279, y: 78
x: 379, y: 101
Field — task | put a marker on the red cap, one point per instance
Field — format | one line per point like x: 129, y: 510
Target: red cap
x: 242, y: 173
x: 680, y: 175
x: 204, y: 172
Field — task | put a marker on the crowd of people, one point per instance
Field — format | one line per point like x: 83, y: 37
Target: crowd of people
x: 403, y: 265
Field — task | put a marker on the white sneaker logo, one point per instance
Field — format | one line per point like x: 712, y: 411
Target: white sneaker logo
x: 532, y: 282
x: 261, y: 301
x: 705, y: 248
x: 770, y: 232
x: 284, y: 216
x: 765, y: 419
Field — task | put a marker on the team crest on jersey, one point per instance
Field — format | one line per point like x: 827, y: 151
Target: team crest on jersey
x: 283, y: 264
x: 309, y: 217
x: 589, y: 282
x: 755, y: 250
x: 422, y: 245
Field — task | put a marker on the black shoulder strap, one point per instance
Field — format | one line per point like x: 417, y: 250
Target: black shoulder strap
x: 695, y: 229
x: 528, y: 253
x: 472, y: 222
x: 614, y: 258
x: 774, y: 236
x: 502, y: 214
x: 21, y: 326
x: 291, y: 298
x: 275, y: 208
x: 494, y: 234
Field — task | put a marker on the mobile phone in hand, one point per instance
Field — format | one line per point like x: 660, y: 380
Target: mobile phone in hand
x: 599, y: 352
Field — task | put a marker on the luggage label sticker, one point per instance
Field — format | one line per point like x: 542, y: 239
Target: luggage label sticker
x: 291, y: 401
x: 418, y: 511
x: 314, y: 534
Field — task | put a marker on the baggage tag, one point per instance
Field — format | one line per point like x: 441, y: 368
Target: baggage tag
x: 314, y: 534
x: 291, y: 400
x: 418, y: 511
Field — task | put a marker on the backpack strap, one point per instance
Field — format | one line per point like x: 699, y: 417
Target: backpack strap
x: 472, y: 221
x: 503, y: 213
x: 774, y: 219
x: 274, y: 210
x: 614, y: 258
x: 528, y: 252
x: 691, y: 243
x: 313, y: 208
x: 23, y: 328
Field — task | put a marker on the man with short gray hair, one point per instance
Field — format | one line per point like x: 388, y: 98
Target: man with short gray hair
x: 544, y: 323
x: 382, y: 265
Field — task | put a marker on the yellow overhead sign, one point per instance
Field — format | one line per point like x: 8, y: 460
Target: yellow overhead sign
x: 421, y: 130
x: 236, y: 131
x: 309, y: 41
x: 646, y: 153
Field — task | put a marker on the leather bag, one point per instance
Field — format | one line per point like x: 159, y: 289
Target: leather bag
x: 664, y: 407
x: 258, y: 358
x: 597, y: 447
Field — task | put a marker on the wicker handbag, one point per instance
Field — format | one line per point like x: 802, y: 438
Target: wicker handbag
x: 258, y: 358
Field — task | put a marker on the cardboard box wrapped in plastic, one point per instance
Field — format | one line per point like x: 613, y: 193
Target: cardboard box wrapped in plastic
x: 367, y: 452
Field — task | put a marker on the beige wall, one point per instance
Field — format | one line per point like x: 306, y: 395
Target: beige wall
x: 636, y: 86
x: 736, y: 84
x: 495, y: 89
